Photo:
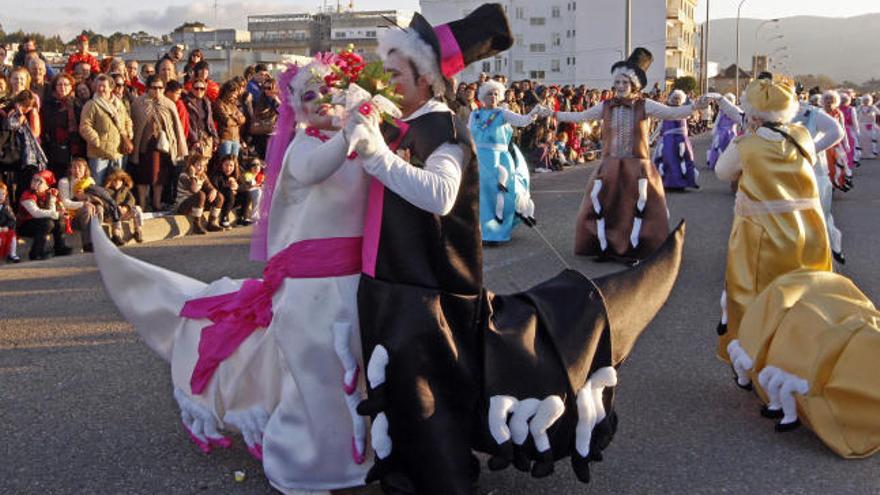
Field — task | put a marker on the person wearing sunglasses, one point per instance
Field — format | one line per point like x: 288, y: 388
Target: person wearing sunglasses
x: 265, y: 116
x: 202, y: 71
x: 159, y: 142
x: 201, y: 117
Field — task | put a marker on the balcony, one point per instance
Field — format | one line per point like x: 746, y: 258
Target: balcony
x: 675, y: 43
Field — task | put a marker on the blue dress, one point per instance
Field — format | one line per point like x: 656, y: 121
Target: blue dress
x: 504, y: 197
x: 674, y: 161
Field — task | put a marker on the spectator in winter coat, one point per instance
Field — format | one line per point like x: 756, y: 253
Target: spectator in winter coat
x: 201, y: 116
x: 8, y: 240
x: 120, y: 185
x: 60, y: 121
x: 229, y: 119
x: 203, y: 71
x: 81, y: 209
x: 195, y: 193
x: 106, y: 128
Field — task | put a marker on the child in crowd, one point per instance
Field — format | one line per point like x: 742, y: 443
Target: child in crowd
x: 195, y: 193
x: 8, y: 241
x: 252, y: 179
x: 119, y: 185
x: 227, y: 180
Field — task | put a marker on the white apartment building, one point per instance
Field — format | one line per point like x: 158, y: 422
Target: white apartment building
x: 577, y: 41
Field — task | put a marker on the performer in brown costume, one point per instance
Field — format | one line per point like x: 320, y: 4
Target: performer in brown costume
x: 623, y: 215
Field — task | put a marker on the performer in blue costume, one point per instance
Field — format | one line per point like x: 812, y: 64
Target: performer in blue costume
x: 674, y: 155
x: 504, y: 175
x: 726, y: 129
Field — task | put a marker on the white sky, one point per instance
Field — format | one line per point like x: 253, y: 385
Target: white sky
x: 68, y: 17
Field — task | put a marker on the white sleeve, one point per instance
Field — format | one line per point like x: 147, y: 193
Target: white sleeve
x: 665, y: 112
x: 35, y: 211
x: 64, y: 189
x: 732, y: 111
x: 729, y: 167
x: 855, y: 126
x: 516, y: 119
x: 831, y: 131
x: 433, y: 188
x: 320, y: 163
x: 592, y: 113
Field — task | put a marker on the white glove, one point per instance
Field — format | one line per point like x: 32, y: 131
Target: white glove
x: 364, y: 135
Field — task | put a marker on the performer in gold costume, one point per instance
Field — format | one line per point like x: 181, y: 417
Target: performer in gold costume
x: 778, y: 225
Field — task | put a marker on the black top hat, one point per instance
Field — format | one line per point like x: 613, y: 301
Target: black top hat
x: 639, y: 61
x: 481, y: 34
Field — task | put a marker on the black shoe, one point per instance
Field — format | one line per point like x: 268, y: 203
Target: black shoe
x: 13, y: 258
x: 63, y: 250
x: 244, y: 222
x: 138, y: 236
x: 521, y: 459
x: 502, y: 458
x: 581, y: 467
x: 721, y: 329
x: 492, y: 243
x: 785, y: 427
x: 40, y: 256
x: 117, y: 240
x: 88, y: 248
x: 543, y: 466
x: 768, y: 413
x: 839, y: 257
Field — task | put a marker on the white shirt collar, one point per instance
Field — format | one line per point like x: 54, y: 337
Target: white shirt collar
x: 432, y: 105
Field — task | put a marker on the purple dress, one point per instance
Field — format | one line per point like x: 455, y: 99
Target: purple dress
x: 725, y: 131
x: 675, y: 156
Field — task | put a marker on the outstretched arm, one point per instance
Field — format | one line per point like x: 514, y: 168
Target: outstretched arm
x: 665, y: 112
x: 518, y: 120
x: 592, y: 113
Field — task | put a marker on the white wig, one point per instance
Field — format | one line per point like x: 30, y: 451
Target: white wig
x: 816, y: 100
x: 845, y: 98
x: 491, y: 86
x: 730, y: 97
x: 630, y: 74
x: 832, y: 95
x: 412, y: 47
x: 676, y: 93
x: 307, y: 76
x: 781, y: 116
x: 867, y: 100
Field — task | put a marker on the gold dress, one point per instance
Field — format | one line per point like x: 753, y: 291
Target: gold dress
x: 778, y: 225
x: 818, y: 327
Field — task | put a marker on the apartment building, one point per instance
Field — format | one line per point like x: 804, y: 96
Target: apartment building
x: 577, y: 41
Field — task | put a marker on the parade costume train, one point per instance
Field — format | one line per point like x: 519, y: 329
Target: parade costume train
x: 258, y: 356
x: 623, y: 214
x: 505, y: 199
x: 674, y: 154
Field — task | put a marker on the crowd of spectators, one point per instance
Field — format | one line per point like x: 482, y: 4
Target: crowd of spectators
x: 547, y: 144
x: 120, y: 141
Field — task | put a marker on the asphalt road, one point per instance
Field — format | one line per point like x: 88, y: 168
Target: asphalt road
x: 85, y: 407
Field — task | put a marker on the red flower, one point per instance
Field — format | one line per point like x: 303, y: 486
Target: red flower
x: 366, y: 109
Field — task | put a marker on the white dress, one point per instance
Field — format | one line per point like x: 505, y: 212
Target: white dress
x: 282, y: 388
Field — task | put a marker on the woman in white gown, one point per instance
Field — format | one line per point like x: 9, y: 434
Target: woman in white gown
x: 276, y: 359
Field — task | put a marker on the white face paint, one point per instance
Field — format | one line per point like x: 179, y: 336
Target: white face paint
x: 676, y: 100
x: 492, y: 99
x: 623, y: 87
x: 311, y: 108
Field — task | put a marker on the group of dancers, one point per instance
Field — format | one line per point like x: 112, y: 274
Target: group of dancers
x: 370, y: 351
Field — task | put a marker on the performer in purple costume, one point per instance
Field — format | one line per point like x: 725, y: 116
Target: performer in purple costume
x: 674, y: 156
x: 725, y: 130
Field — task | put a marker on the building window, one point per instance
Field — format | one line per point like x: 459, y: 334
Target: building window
x: 574, y: 5
x: 557, y: 40
x: 497, y: 65
x: 536, y: 21
x: 340, y: 34
x: 574, y: 61
x: 370, y: 34
x: 519, y: 12
x: 537, y: 48
x: 554, y: 12
x: 487, y: 67
x: 554, y: 66
x: 536, y: 74
x: 519, y: 41
x: 518, y: 66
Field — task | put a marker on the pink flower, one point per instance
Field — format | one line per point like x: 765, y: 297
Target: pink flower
x: 366, y: 109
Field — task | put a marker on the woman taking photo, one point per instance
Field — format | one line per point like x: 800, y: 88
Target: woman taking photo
x: 159, y: 141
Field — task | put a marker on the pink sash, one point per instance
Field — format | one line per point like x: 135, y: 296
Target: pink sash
x: 236, y: 315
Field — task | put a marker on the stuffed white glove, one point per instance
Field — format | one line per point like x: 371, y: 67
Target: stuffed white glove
x: 363, y: 134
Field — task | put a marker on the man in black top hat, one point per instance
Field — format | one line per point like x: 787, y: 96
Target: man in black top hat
x: 449, y: 363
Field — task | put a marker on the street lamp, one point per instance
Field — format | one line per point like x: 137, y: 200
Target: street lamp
x: 738, y: 11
